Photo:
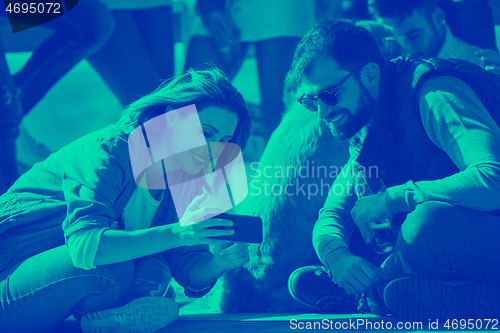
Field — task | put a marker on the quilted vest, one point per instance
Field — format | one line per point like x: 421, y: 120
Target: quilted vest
x: 397, y: 143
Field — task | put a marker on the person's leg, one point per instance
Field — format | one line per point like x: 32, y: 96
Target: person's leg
x: 77, y: 34
x: 39, y: 292
x: 313, y: 286
x: 274, y: 57
x: 156, y: 26
x: 445, y: 265
x: 11, y: 115
x: 147, y: 305
x: 124, y: 63
x: 203, y: 53
x: 444, y: 241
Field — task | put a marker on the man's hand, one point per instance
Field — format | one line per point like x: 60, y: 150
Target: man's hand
x: 228, y: 256
x: 222, y: 29
x: 353, y: 273
x: 491, y: 60
x: 367, y: 210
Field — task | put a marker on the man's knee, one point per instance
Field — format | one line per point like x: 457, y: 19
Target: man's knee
x: 430, y: 221
x: 423, y: 232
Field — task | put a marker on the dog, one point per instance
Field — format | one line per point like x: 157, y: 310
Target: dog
x: 303, y: 154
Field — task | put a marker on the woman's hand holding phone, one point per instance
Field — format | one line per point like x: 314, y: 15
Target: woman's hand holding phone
x: 192, y: 230
x: 195, y: 234
x: 231, y: 255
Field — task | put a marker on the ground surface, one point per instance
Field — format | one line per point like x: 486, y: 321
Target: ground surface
x: 275, y: 322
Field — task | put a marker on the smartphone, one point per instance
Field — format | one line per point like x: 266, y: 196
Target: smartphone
x: 247, y: 229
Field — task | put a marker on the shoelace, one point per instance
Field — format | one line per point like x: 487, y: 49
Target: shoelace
x: 335, y: 292
x: 363, y: 305
x: 119, y: 319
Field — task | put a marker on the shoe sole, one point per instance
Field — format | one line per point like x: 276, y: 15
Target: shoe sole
x: 421, y: 298
x: 327, y: 304
x: 142, y: 315
x: 334, y: 305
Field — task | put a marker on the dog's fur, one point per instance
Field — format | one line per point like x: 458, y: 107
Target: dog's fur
x: 261, y: 286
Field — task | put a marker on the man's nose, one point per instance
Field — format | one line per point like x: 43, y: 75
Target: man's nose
x: 324, y: 109
x: 408, y: 47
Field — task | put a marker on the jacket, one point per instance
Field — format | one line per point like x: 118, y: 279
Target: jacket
x: 409, y: 146
x: 84, y: 185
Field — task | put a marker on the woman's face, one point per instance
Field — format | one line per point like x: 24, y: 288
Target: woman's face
x: 217, y: 125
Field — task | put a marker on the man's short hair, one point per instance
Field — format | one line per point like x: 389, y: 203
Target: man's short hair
x: 341, y: 40
x: 400, y: 8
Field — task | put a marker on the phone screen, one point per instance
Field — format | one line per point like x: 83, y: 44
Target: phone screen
x: 247, y: 229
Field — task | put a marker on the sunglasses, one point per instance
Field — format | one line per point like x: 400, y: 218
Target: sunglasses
x: 327, y: 96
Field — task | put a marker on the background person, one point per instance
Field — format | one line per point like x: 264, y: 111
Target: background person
x: 140, y: 52
x: 224, y: 30
x: 11, y: 114
x: 443, y: 29
x: 76, y: 35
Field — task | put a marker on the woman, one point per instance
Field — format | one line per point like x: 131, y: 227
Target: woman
x: 73, y: 227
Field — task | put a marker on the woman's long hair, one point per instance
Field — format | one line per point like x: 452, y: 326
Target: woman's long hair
x: 200, y: 87
x: 204, y: 88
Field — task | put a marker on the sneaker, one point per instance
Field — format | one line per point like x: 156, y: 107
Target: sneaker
x: 313, y: 286
x: 423, y: 298
x: 142, y: 315
x: 370, y: 302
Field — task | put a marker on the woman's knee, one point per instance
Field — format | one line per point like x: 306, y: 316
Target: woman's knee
x: 106, y: 287
x: 119, y: 274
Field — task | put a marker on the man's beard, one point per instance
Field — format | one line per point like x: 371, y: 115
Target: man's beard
x: 355, y: 122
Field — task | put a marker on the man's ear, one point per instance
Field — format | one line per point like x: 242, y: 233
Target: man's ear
x: 172, y: 117
x: 370, y: 75
x: 438, y: 17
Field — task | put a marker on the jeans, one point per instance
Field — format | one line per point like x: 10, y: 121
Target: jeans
x: 41, y: 291
x: 139, y: 55
x: 11, y: 116
x: 444, y: 241
x: 77, y: 34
